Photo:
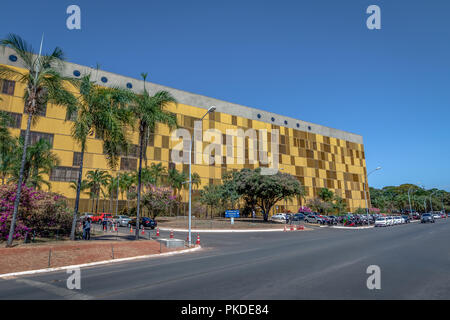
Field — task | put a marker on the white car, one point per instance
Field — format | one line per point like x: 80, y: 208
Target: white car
x: 397, y: 220
x: 390, y: 221
x: 436, y: 215
x: 381, y: 222
x: 279, y: 217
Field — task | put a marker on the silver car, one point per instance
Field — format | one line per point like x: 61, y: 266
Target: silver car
x: 122, y: 221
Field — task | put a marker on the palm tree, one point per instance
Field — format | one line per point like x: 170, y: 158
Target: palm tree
x: 125, y: 183
x: 8, y: 146
x: 157, y: 172
x: 196, y: 180
x: 43, y: 83
x: 103, y: 111
x: 39, y: 160
x: 149, y: 110
x: 97, y: 179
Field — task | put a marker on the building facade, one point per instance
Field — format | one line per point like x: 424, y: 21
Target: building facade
x: 320, y: 157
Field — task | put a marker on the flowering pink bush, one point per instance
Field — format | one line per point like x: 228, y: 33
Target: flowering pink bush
x: 40, y: 212
x: 158, y: 200
x: 374, y: 210
x: 304, y: 209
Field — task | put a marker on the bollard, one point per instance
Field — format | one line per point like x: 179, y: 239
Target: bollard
x: 49, y: 257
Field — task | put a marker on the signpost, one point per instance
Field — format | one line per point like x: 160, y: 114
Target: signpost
x: 232, y: 214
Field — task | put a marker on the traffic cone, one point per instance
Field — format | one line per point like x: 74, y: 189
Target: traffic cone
x: 171, y: 234
x: 198, y: 239
x: 157, y: 232
x: 143, y: 230
x: 131, y: 229
x: 115, y: 227
x: 292, y: 228
x: 284, y: 228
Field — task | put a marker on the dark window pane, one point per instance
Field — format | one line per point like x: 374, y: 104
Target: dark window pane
x: 76, y: 159
x: 7, y: 86
x: 65, y: 174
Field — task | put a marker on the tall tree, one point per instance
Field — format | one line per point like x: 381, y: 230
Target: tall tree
x: 149, y: 110
x: 102, y: 111
x: 44, y: 83
x: 8, y: 147
x: 97, y: 179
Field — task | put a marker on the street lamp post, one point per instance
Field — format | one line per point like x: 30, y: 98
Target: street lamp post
x: 365, y: 194
x: 431, y: 203
x: 409, y: 199
x: 210, y: 110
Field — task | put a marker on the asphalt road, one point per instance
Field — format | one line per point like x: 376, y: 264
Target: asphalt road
x: 321, y: 264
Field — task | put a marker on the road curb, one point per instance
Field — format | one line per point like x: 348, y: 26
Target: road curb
x: 30, y: 272
x: 221, y: 231
x: 351, y: 228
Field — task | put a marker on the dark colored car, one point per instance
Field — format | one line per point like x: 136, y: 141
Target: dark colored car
x: 298, y: 217
x: 427, y: 217
x: 143, y: 221
x: 407, y: 218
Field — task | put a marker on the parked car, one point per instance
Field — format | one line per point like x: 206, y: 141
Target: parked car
x: 397, y: 220
x: 427, y: 217
x: 143, y: 221
x: 415, y: 216
x: 390, y: 221
x: 313, y: 218
x: 122, y: 221
x: 381, y: 222
x: 279, y: 217
x: 332, y: 220
x: 98, y: 218
x: 406, y: 218
x: 436, y: 215
x: 443, y: 215
x: 298, y: 217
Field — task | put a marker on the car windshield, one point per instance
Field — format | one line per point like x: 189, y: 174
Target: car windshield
x: 426, y: 215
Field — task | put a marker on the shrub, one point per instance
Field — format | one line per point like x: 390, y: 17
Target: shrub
x: 41, y: 212
x: 158, y: 200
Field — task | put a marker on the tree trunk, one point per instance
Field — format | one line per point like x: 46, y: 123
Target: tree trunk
x: 139, y: 187
x: 19, y: 183
x: 77, y: 198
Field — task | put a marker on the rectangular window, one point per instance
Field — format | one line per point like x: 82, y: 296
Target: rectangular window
x: 36, y: 136
x: 7, y: 86
x: 64, y: 174
x: 128, y: 164
x: 16, y: 120
x: 76, y: 159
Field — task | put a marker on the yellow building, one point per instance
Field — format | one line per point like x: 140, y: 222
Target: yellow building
x: 318, y: 156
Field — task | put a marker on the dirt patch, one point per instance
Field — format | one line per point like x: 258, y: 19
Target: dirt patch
x: 33, y: 256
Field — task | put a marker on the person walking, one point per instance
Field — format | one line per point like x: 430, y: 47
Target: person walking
x: 84, y: 228
x: 87, y: 229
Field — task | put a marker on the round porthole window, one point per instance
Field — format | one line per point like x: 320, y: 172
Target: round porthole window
x: 285, y: 122
x: 76, y: 73
x: 104, y: 79
x: 13, y: 58
x: 259, y: 116
x: 273, y: 119
x: 309, y: 127
x: 129, y: 85
x: 298, y: 125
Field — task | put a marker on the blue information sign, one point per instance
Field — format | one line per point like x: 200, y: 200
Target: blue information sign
x: 232, y: 214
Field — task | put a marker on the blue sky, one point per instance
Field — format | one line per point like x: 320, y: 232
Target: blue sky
x: 312, y: 60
